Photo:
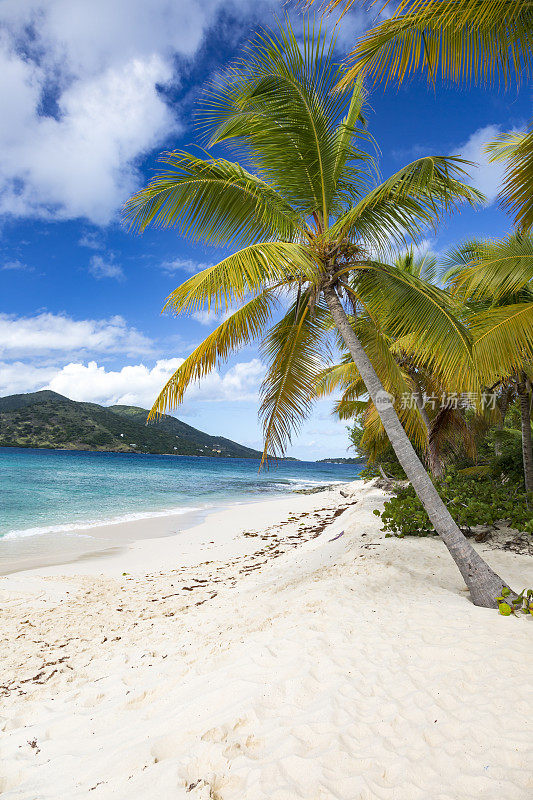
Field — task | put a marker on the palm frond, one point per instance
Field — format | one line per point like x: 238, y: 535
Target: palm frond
x: 498, y: 268
x: 346, y: 408
x: 246, y: 272
x: 393, y: 379
x: 451, y: 434
x: 516, y: 194
x: 213, y: 200
x: 460, y: 40
x: 422, y: 314
x: 409, y: 202
x: 423, y: 266
x: 292, y: 350
x: 242, y: 327
x: 335, y: 376
x: 277, y: 104
x: 457, y: 260
x: 374, y: 432
x: 502, y: 340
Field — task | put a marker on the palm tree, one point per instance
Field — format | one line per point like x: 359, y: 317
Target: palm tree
x: 463, y: 41
x: 415, y: 386
x: 304, y: 208
x: 494, y: 278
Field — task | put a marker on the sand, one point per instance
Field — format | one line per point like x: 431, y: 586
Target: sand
x: 262, y: 655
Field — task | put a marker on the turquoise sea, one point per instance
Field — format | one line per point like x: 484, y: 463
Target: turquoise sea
x: 46, y: 492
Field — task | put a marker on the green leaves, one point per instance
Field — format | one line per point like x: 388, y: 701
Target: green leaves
x: 516, y: 149
x: 279, y: 107
x: 502, y: 340
x: 521, y: 603
x: 292, y: 351
x: 496, y: 269
x: 241, y: 328
x: 495, y: 280
x: 472, y: 500
x: 246, y: 272
x: 214, y: 200
x: 459, y: 40
x: 408, y: 202
x: 427, y: 318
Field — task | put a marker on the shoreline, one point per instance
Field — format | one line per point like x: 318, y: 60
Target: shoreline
x: 112, y: 537
x: 148, y: 543
x: 280, y: 650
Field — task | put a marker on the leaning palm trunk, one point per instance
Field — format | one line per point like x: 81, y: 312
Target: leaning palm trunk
x: 527, y: 451
x: 484, y: 584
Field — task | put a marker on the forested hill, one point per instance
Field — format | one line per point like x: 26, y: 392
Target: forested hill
x: 47, y: 419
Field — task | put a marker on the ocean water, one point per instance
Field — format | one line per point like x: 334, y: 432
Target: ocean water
x: 53, y: 491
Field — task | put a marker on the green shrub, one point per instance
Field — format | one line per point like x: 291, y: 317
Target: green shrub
x: 471, y: 500
x: 522, y: 603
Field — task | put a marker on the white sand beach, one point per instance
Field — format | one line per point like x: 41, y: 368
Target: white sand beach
x: 280, y: 650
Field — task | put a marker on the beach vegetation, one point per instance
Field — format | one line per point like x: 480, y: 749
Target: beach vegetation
x: 473, y: 498
x: 521, y: 603
x: 312, y: 226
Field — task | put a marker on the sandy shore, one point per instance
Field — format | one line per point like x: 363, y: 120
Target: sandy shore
x: 279, y: 650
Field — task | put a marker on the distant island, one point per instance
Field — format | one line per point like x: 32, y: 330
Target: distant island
x: 341, y: 461
x: 48, y: 420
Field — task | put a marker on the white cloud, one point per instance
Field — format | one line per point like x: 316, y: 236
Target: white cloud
x: 15, y: 265
x: 486, y: 177
x: 49, y: 334
x: 187, y: 265
x: 18, y: 377
x: 205, y: 317
x: 80, y: 95
x: 134, y: 384
x: 91, y: 240
x: 80, y: 164
x: 102, y: 267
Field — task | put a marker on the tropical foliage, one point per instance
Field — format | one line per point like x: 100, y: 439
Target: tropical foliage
x: 405, y: 371
x: 493, y: 282
x: 458, y: 40
x: 462, y: 41
x: 475, y: 499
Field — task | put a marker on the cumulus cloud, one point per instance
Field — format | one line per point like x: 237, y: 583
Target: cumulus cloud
x: 102, y: 267
x: 17, y: 377
x: 80, y: 163
x: 80, y: 90
x: 486, y: 177
x: 49, y: 334
x: 134, y: 384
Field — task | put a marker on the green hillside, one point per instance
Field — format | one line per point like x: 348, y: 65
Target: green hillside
x: 47, y: 419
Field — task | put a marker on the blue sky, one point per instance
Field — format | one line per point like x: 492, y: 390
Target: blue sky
x: 91, y: 92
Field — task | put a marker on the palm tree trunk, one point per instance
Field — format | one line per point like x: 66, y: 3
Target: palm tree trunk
x: 433, y: 459
x: 484, y: 585
x: 525, y: 417
x: 504, y: 404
